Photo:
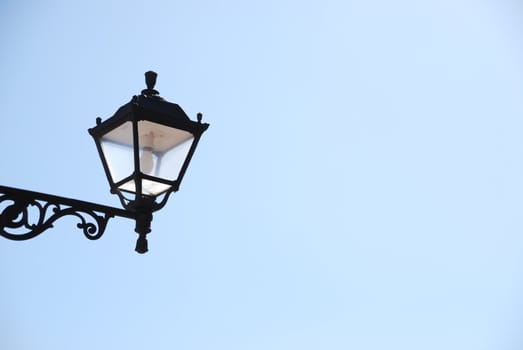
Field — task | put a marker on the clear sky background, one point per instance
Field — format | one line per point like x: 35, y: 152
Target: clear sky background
x: 360, y: 185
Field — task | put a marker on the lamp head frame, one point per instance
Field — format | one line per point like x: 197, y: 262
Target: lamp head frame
x: 147, y: 107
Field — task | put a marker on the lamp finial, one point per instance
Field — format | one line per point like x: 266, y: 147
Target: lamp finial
x: 150, y: 81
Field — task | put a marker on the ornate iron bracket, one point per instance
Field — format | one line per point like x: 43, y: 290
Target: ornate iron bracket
x: 26, y: 214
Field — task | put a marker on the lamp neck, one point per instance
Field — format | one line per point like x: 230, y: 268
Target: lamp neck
x: 143, y: 209
x: 143, y: 227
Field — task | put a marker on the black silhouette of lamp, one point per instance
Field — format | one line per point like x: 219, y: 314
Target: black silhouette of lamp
x: 145, y: 149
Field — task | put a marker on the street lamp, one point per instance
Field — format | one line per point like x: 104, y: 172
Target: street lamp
x: 145, y: 149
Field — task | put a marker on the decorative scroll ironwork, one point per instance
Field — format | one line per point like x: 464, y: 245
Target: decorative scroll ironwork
x: 19, y: 216
x: 25, y: 214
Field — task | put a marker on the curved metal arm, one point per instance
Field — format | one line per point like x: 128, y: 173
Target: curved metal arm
x: 26, y: 214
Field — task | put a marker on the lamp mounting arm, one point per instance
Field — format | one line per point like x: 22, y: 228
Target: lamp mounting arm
x: 26, y: 214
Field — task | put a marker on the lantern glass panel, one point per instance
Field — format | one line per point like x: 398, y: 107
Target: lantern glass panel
x: 117, y: 147
x: 149, y: 187
x: 163, y: 149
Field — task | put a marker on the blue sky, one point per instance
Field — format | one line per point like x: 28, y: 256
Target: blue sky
x: 359, y: 187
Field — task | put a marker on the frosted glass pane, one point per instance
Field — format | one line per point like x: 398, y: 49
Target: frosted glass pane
x: 172, y: 160
x: 117, y: 146
x: 159, y: 137
x: 151, y: 188
x: 119, y: 158
x: 122, y: 134
x: 162, y: 149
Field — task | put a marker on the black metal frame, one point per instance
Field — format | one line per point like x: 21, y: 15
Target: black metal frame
x: 26, y: 214
x: 15, y: 214
x: 148, y: 106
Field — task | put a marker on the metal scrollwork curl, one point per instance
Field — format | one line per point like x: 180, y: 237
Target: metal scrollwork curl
x: 24, y: 215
